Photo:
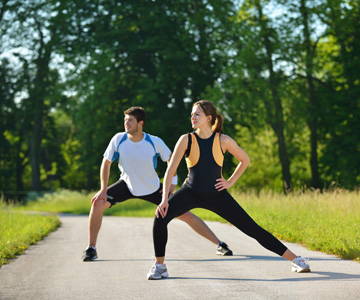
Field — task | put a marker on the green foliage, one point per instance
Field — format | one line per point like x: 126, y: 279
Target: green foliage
x: 155, y: 55
x: 340, y: 130
x: 68, y: 69
x: 264, y: 171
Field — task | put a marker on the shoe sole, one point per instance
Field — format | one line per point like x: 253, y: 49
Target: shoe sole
x: 298, y: 270
x: 229, y: 253
x: 89, y: 258
x: 163, y: 276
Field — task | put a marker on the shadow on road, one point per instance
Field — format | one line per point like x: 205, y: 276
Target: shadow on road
x: 321, y: 277
x: 313, y: 276
x: 224, y: 258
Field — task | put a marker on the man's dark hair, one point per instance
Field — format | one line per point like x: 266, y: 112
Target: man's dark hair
x: 136, y: 111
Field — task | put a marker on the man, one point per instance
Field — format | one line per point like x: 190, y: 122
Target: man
x: 137, y: 153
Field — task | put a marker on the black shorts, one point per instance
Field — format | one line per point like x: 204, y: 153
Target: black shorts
x: 119, y: 192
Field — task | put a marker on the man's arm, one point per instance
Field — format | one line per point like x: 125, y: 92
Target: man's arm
x: 104, y: 180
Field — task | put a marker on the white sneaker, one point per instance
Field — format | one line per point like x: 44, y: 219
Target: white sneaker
x: 157, y: 272
x: 300, y: 265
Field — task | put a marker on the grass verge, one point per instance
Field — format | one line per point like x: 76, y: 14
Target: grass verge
x: 19, y: 230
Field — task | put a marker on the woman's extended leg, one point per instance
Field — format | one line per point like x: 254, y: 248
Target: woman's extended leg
x: 226, y: 206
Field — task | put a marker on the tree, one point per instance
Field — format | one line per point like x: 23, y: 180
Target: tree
x: 153, y: 54
x: 40, y: 20
x: 252, y: 83
x: 340, y: 123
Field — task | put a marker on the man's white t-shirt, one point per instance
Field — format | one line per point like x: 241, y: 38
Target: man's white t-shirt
x: 137, y: 161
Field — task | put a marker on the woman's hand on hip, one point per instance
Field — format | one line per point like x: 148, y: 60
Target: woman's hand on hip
x: 222, y: 184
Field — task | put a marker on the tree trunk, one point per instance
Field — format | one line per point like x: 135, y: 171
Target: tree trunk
x: 37, y: 95
x: 35, y: 143
x: 19, y: 165
x: 313, y: 101
x: 274, y: 107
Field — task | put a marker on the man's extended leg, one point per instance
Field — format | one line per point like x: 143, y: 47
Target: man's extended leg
x: 201, y: 228
x: 95, y: 219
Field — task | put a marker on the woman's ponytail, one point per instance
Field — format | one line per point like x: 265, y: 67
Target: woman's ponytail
x: 218, y: 125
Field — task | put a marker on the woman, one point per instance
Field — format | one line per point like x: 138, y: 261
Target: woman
x: 206, y: 188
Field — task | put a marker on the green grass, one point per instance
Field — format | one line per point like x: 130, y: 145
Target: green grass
x: 19, y: 230
x: 328, y: 222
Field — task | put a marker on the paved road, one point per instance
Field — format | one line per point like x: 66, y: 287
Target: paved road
x: 52, y: 269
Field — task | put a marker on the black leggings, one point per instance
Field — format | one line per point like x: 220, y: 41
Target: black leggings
x: 221, y: 203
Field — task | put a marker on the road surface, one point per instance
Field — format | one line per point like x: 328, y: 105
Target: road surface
x: 52, y: 269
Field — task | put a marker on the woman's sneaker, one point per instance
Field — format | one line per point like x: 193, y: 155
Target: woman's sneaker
x: 300, y: 265
x: 223, y: 249
x: 157, y: 272
x: 90, y: 254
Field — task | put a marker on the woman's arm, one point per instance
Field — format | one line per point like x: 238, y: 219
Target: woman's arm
x: 229, y: 145
x: 176, y: 157
x: 173, y: 185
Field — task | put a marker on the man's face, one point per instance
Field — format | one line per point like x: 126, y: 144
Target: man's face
x: 131, y: 125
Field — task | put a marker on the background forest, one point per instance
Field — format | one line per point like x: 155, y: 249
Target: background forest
x: 285, y: 74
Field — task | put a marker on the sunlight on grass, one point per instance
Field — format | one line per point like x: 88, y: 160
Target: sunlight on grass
x: 18, y: 231
x: 328, y: 222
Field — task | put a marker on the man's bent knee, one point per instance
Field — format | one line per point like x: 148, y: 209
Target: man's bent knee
x: 100, y: 205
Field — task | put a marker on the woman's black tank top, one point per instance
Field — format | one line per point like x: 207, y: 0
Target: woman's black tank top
x: 204, y: 158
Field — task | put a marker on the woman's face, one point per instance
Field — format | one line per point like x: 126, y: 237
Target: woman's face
x: 198, y: 117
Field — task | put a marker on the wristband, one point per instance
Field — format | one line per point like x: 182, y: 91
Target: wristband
x: 174, y: 180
